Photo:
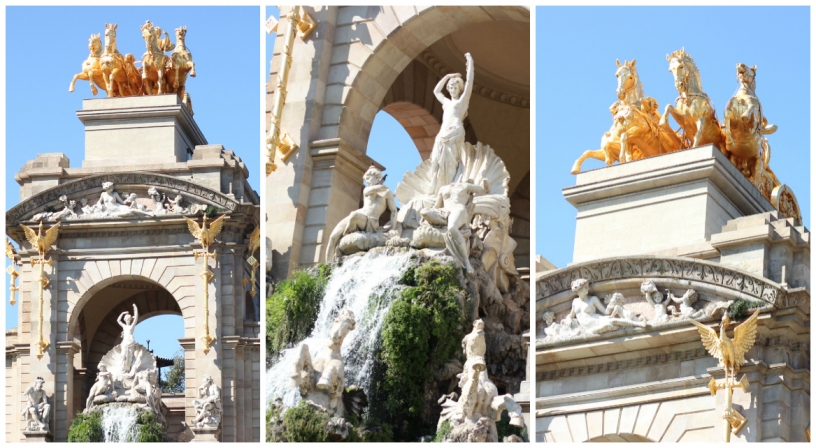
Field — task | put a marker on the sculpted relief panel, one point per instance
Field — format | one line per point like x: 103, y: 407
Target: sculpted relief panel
x: 163, y: 195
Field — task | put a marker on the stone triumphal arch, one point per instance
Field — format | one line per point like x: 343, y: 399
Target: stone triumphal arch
x: 360, y: 60
x: 136, y: 252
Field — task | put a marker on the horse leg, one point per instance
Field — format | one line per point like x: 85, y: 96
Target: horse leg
x: 664, y: 119
x: 698, y: 136
x: 176, y: 81
x: 624, y: 149
x: 81, y: 76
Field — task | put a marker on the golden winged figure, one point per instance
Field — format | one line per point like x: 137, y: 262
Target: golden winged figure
x: 41, y: 242
x: 255, y: 240
x: 10, y: 252
x: 204, y: 235
x: 730, y: 352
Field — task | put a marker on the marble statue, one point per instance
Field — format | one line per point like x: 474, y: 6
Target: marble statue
x: 474, y: 415
x: 364, y: 222
x: 37, y: 411
x: 128, y: 324
x: 560, y: 330
x: 587, y: 310
x: 445, y: 155
x: 614, y: 308
x: 693, y: 111
x: 91, y: 71
x: 102, y: 391
x: 322, y: 381
x: 127, y: 373
x: 208, y: 405
x: 745, y: 127
x: 453, y: 210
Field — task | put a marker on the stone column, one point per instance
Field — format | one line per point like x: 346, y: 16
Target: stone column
x: 64, y: 390
x: 288, y: 188
x: 190, y: 381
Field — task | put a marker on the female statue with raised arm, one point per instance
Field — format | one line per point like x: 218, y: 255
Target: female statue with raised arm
x: 128, y: 324
x: 446, y: 153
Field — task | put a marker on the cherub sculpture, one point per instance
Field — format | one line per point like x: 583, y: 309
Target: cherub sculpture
x: 655, y: 298
x: 614, y: 308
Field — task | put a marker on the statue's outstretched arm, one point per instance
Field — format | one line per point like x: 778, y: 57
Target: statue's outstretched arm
x: 135, y: 314
x: 119, y: 319
x: 468, y: 79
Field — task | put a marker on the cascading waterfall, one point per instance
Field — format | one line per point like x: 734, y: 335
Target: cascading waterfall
x: 366, y: 285
x: 119, y: 423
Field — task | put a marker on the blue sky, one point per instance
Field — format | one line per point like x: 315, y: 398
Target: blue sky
x: 41, y: 113
x: 575, y: 82
x: 389, y: 143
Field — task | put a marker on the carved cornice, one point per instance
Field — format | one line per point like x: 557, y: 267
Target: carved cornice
x: 634, y: 363
x: 432, y: 61
x: 192, y: 190
x: 660, y: 268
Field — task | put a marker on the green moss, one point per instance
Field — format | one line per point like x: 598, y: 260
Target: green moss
x: 444, y: 430
x: 505, y: 429
x: 422, y: 331
x: 292, y: 309
x: 740, y: 308
x: 86, y: 428
x: 304, y: 423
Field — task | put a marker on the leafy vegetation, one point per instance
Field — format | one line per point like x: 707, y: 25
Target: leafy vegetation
x: 741, y: 308
x: 86, y: 428
x: 292, y: 309
x: 212, y: 210
x: 305, y: 423
x: 444, y: 429
x: 150, y: 430
x: 173, y: 381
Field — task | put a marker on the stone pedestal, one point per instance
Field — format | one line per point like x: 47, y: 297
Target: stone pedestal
x: 669, y: 204
x: 206, y: 435
x: 139, y: 130
x: 38, y: 436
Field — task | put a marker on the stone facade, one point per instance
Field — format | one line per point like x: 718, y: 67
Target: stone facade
x: 104, y: 266
x: 686, y: 220
x: 363, y: 59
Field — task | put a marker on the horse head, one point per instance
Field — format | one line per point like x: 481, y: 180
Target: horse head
x: 747, y: 76
x: 685, y: 72
x: 181, y: 33
x: 95, y: 44
x: 628, y: 81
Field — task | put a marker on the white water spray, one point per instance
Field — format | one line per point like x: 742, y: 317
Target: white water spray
x: 119, y: 423
x: 365, y: 285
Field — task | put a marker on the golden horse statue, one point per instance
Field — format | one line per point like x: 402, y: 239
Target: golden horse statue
x: 745, y: 126
x: 91, y: 71
x: 120, y: 72
x: 153, y: 62
x: 694, y: 112
x: 636, y: 120
x: 179, y: 66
